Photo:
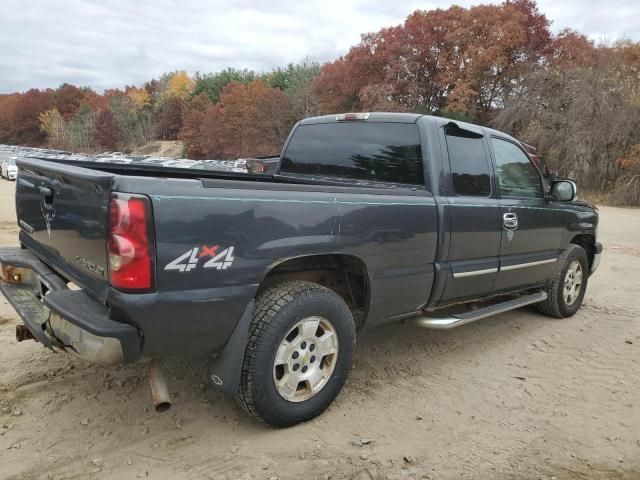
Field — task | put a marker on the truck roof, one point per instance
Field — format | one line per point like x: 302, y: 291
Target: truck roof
x: 403, y: 117
x: 372, y: 117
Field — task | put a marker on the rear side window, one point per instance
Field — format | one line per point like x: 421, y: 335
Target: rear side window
x: 469, y: 164
x: 377, y: 152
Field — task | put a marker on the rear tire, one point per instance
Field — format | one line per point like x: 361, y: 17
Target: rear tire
x: 298, y: 355
x: 568, y: 285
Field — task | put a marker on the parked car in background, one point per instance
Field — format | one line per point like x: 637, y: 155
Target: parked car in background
x: 6, y: 152
x: 9, y: 169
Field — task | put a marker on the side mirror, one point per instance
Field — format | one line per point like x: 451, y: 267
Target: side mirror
x: 564, y: 190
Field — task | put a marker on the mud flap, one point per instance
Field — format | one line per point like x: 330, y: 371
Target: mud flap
x: 226, y: 368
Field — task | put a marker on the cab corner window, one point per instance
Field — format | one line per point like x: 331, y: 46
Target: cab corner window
x: 516, y: 175
x: 469, y: 165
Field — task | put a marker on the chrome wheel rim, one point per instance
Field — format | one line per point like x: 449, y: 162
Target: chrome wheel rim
x: 305, y: 359
x: 572, y: 283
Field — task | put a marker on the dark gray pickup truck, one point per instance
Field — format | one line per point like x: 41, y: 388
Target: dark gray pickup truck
x: 370, y: 218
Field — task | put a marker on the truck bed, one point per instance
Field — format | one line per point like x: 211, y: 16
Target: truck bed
x: 257, y: 221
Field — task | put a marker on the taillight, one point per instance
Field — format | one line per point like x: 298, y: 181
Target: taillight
x: 129, y: 246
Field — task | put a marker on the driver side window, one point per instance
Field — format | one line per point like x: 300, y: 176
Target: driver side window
x: 516, y: 176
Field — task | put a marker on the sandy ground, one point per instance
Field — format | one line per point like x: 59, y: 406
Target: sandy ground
x: 162, y: 148
x: 517, y: 396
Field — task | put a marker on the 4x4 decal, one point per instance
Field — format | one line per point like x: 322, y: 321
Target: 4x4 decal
x: 192, y: 259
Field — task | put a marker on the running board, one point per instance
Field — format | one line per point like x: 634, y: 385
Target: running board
x: 444, y: 323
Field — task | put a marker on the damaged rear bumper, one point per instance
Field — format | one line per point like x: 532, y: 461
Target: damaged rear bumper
x: 61, y: 318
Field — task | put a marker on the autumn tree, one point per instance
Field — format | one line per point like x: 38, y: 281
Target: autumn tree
x: 53, y: 124
x: 106, y: 130
x: 256, y: 119
x: 192, y: 121
x: 250, y: 119
x: 178, y: 85
x: 439, y: 60
x: 570, y: 49
x: 68, y: 99
x: 168, y: 116
x: 24, y: 128
x: 140, y: 98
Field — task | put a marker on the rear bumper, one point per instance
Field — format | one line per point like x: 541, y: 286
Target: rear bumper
x: 61, y: 318
x: 597, y: 255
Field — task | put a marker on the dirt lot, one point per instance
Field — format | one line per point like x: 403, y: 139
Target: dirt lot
x: 515, y: 396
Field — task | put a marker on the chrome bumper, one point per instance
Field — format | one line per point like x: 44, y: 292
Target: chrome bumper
x: 90, y: 347
x: 63, y: 319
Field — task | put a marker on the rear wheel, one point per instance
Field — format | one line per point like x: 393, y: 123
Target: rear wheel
x: 299, y: 353
x: 566, y: 289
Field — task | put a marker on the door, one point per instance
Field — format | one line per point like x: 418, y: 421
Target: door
x: 531, y: 225
x: 474, y: 216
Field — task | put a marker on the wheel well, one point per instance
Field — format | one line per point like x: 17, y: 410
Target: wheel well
x: 344, y: 274
x: 586, y: 241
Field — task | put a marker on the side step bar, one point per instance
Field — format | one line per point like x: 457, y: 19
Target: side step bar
x: 445, y: 323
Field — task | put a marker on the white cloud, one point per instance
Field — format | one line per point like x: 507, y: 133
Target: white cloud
x: 113, y: 43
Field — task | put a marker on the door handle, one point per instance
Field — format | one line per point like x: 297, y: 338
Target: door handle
x: 510, y: 220
x: 47, y: 194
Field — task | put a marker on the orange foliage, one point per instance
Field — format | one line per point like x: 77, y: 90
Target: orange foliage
x: 250, y: 119
x: 460, y: 59
x: 572, y: 49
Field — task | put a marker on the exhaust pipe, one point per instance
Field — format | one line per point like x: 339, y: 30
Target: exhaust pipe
x: 23, y: 333
x: 159, y: 389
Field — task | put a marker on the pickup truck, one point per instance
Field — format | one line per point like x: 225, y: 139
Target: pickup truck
x: 370, y: 218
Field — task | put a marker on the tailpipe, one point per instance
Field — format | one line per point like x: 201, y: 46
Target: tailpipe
x: 23, y: 333
x: 159, y: 389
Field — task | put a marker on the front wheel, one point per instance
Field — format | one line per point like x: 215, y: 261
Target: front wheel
x: 299, y: 353
x: 566, y: 289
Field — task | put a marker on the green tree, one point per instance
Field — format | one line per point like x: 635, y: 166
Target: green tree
x: 212, y: 84
x: 81, y: 129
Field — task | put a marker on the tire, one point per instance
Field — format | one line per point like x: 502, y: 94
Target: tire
x: 279, y: 314
x: 556, y: 304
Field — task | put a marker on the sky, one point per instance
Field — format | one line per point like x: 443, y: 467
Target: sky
x: 112, y: 43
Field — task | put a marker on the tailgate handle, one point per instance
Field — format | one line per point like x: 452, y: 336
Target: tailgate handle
x: 47, y: 194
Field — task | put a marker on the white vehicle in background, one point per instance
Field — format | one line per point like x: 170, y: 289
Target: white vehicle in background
x: 9, y: 168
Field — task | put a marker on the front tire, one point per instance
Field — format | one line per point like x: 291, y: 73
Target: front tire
x: 566, y: 289
x: 299, y: 353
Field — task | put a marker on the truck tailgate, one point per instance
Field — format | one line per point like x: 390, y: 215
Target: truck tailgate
x: 63, y: 214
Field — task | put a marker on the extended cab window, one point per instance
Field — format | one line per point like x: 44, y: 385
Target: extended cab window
x: 377, y: 152
x: 468, y: 162
x: 517, y: 177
